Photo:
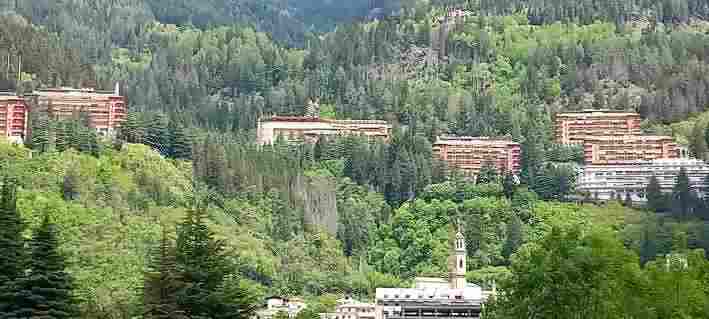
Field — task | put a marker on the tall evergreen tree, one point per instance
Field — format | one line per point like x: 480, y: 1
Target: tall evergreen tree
x: 40, y: 133
x: 514, y: 237
x: 46, y: 289
x: 201, y: 262
x: 509, y: 185
x: 682, y: 197
x: 163, y: 283
x: 181, y: 142
x: 11, y: 246
x: 656, y: 201
x: 132, y: 130
x: 488, y: 173
x: 158, y: 135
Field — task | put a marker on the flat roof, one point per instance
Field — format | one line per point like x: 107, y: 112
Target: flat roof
x: 648, y: 163
x: 473, y: 140
x: 279, y: 118
x: 631, y: 138
x: 10, y: 98
x: 601, y: 112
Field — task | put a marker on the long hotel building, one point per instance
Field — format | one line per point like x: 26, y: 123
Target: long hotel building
x: 13, y: 118
x: 106, y: 109
x: 577, y: 127
x: 610, y: 181
x: 630, y: 148
x: 470, y: 153
x: 309, y: 128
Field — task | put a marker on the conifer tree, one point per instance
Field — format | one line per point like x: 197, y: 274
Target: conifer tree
x: 628, y: 201
x: 488, y: 173
x: 514, y: 237
x: 132, y: 130
x: 157, y: 134
x: 46, y: 289
x: 181, y: 142
x: 40, y: 131
x: 682, y: 196
x: 200, y: 261
x: 509, y: 185
x: 655, y: 198
x: 163, y: 283
x: 11, y: 246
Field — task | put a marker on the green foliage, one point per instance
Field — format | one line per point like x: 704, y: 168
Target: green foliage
x: 574, y: 271
x: 683, y: 199
x: 488, y: 173
x: 656, y: 200
x: 12, y: 252
x: 556, y: 181
x: 46, y: 289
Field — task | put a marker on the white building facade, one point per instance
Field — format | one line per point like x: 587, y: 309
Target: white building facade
x: 276, y: 304
x: 608, y: 181
x: 351, y: 309
x: 434, y: 297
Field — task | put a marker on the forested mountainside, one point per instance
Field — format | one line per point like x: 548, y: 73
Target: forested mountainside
x: 183, y: 216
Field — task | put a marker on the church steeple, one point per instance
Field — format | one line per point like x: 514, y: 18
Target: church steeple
x: 458, y: 274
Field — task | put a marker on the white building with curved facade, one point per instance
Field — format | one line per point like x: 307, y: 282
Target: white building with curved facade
x: 609, y: 181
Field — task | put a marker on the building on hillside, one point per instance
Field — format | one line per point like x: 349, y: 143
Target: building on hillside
x: 276, y: 304
x: 311, y: 128
x: 106, y: 110
x: 576, y: 127
x: 13, y: 117
x: 630, y: 148
x: 434, y: 297
x: 351, y: 309
x: 610, y: 181
x: 469, y: 154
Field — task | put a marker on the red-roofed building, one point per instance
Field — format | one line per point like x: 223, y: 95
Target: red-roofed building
x: 576, y: 127
x: 310, y: 129
x: 13, y: 117
x: 106, y: 110
x: 470, y: 153
x: 630, y: 148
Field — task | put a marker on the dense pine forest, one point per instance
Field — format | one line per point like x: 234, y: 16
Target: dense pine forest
x: 182, y: 215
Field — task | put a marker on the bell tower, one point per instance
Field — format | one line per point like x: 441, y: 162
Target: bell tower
x: 458, y: 274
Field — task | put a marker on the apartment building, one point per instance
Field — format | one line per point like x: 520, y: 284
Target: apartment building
x: 311, y: 128
x: 577, y: 127
x: 609, y: 181
x: 13, y: 117
x: 469, y: 154
x: 106, y: 110
x: 629, y: 148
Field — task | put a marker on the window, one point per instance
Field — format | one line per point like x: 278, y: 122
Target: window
x: 460, y: 263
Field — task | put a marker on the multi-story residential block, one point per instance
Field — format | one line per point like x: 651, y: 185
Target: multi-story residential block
x: 469, y: 154
x: 630, y: 148
x: 13, y: 118
x: 311, y: 128
x: 610, y: 181
x: 106, y: 110
x: 577, y: 127
x: 435, y: 297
